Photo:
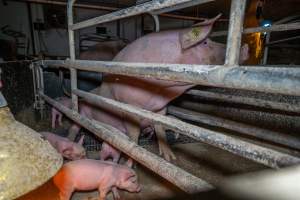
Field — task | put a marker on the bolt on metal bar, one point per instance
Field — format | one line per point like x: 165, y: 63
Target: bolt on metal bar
x: 235, y: 30
x: 274, y: 28
x: 236, y: 146
x: 72, y: 54
x: 264, y: 79
x: 131, y: 11
x: 245, y: 129
x: 182, y: 179
x: 247, y: 100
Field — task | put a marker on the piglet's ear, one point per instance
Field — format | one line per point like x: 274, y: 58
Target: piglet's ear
x: 198, y: 33
x: 81, y: 140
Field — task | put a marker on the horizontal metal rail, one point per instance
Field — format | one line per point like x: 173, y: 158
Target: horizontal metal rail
x: 247, y: 101
x: 180, y: 6
x: 274, y: 28
x: 248, y: 150
x: 185, y: 181
x: 131, y: 11
x: 283, y: 40
x: 245, y: 129
x: 264, y: 79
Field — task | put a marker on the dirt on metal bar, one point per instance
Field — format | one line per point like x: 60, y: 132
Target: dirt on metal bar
x: 246, y: 129
x: 182, y: 179
x: 283, y: 80
x: 247, y: 100
x: 242, y: 148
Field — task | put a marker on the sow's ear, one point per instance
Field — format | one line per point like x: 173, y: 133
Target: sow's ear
x: 199, y: 32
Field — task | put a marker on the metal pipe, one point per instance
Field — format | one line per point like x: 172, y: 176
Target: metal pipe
x: 180, y: 6
x: 131, y: 11
x: 188, y: 17
x: 156, y: 22
x: 106, y: 8
x: 253, y: 152
x: 72, y: 54
x: 282, y: 40
x: 185, y: 181
x: 266, y: 50
x: 246, y: 129
x: 284, y: 80
x: 274, y: 28
x: 236, y: 21
x: 247, y: 100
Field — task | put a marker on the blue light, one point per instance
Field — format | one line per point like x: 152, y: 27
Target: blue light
x: 266, y: 23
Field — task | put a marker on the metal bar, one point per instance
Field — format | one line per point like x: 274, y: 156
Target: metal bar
x: 266, y: 50
x: 285, y: 80
x: 188, y: 17
x: 106, y: 8
x: 283, y: 40
x: 72, y: 54
x: 247, y: 100
x: 253, y: 152
x: 264, y: 134
x: 185, y: 181
x: 274, y: 28
x: 156, y: 22
x: 180, y: 6
x: 131, y: 11
x: 236, y: 21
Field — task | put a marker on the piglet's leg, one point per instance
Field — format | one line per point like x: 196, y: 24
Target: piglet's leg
x: 116, y: 193
x: 73, y: 131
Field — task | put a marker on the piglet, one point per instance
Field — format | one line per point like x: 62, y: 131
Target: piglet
x: 57, y: 115
x: 67, y: 148
x: 88, y: 174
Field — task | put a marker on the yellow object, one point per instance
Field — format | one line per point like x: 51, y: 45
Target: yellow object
x: 26, y: 160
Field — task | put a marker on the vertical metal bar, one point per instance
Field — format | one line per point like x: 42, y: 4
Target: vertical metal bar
x: 73, y: 72
x: 156, y: 22
x: 41, y: 90
x: 235, y: 30
x: 266, y: 51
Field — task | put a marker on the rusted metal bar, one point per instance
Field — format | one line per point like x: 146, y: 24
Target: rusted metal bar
x: 281, y: 80
x: 247, y: 100
x: 274, y: 28
x: 246, y: 129
x: 235, y: 30
x: 131, y: 11
x: 113, y: 136
x: 72, y: 54
x: 248, y: 150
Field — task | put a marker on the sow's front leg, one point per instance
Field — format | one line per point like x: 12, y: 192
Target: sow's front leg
x: 164, y: 148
